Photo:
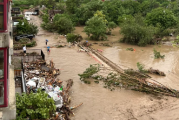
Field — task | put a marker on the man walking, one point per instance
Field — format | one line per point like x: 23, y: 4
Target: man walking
x: 46, y: 41
x: 24, y: 49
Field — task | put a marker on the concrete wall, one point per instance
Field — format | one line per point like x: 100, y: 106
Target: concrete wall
x: 6, y: 40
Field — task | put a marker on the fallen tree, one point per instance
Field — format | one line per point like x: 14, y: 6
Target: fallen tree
x: 131, y: 79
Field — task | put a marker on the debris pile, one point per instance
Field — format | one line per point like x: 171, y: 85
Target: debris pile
x: 39, y: 74
x: 86, y: 44
x: 27, y: 54
x: 155, y: 71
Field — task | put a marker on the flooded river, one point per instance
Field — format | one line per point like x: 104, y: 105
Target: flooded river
x: 102, y: 104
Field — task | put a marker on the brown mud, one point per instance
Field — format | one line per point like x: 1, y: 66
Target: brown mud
x: 102, y: 104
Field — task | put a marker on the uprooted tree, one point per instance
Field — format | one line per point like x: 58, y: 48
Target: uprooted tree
x: 130, y: 79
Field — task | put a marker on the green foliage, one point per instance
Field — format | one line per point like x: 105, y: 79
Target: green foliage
x: 96, y: 28
x: 72, y: 37
x: 141, y: 67
x: 24, y: 27
x: 112, y: 81
x: 100, y: 14
x: 176, y: 42
x: 31, y: 44
x: 26, y: 4
x: 87, y: 11
x: 63, y: 25
x: 123, y: 18
x: 89, y: 72
x: 136, y: 32
x: 24, y: 40
x: 157, y: 54
x: 116, y: 8
x: 111, y: 26
x: 164, y: 17
x: 45, y: 18
x: 147, y: 6
x: 162, y: 32
x: 174, y: 7
x: 72, y: 5
x: 34, y: 106
x: 48, y: 3
x: 61, y: 6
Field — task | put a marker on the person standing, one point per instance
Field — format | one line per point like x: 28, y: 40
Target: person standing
x: 24, y: 49
x: 48, y: 49
x: 46, y: 41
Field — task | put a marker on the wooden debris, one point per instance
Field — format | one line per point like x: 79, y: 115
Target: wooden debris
x: 155, y: 71
x: 44, y: 75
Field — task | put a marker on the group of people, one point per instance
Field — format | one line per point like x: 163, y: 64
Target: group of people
x: 48, y: 48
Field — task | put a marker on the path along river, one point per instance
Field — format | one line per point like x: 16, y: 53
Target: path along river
x: 102, y: 104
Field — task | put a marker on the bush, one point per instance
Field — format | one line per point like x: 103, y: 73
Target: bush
x: 136, y: 32
x: 32, y: 44
x: 72, y: 37
x: 17, y: 46
x: 64, y: 25
x: 24, y: 40
x: 111, y: 26
x: 34, y: 106
x: 157, y: 54
x: 164, y: 17
x: 61, y: 23
x: 141, y: 67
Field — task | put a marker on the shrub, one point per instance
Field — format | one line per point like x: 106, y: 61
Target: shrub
x: 34, y: 106
x: 72, y: 37
x: 63, y: 24
x: 111, y: 26
x: 157, y: 54
x: 136, y: 32
x: 32, y: 44
x: 141, y: 67
x: 161, y: 16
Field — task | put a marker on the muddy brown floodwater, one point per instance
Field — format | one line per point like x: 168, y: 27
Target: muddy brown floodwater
x: 102, y: 104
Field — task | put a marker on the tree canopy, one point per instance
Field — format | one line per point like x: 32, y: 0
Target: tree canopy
x: 96, y: 28
x: 135, y: 31
x: 163, y: 17
x: 24, y: 27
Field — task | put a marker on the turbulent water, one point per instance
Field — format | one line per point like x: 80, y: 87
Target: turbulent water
x: 102, y: 104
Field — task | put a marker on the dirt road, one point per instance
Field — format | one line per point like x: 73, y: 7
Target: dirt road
x: 100, y: 103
